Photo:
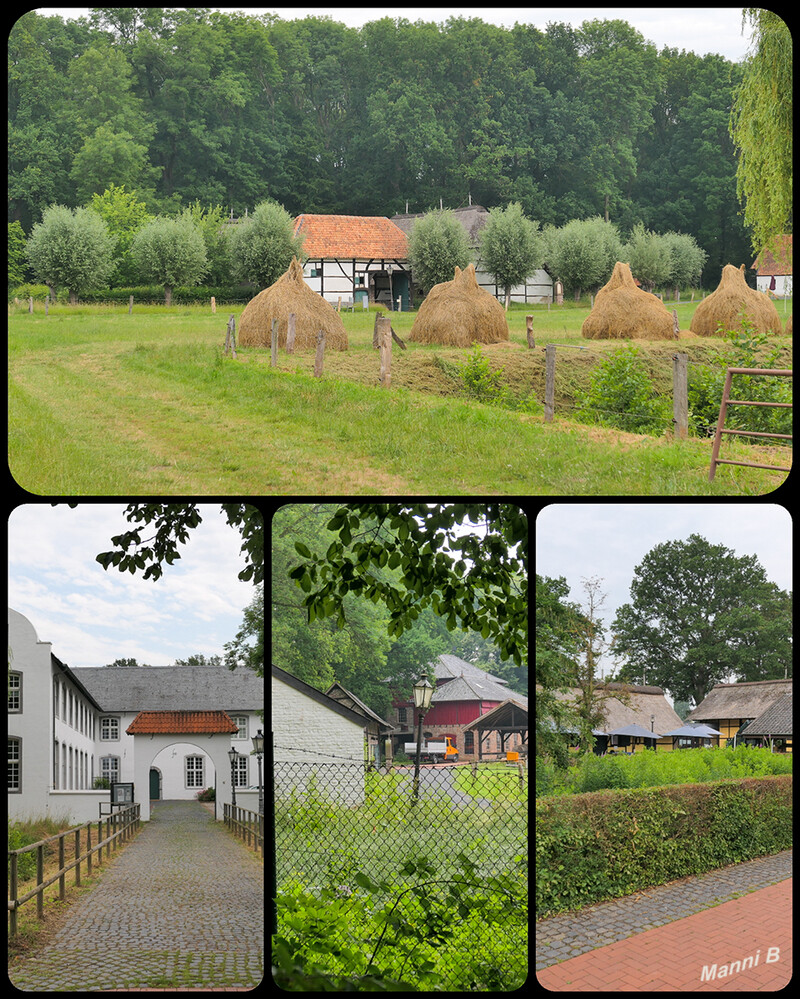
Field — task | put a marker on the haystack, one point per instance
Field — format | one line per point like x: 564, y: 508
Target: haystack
x: 624, y: 312
x: 729, y: 301
x: 459, y: 313
x: 290, y: 293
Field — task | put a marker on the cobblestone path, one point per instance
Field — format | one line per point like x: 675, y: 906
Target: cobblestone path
x: 181, y: 907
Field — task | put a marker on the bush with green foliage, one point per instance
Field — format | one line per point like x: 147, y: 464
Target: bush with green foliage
x: 621, y: 394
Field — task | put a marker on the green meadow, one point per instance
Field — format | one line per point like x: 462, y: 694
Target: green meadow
x: 101, y: 401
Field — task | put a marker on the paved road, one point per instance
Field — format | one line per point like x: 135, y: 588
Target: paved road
x: 181, y: 907
x: 662, y: 939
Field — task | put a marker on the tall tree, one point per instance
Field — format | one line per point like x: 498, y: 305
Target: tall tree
x: 701, y: 614
x: 474, y: 580
x: 762, y: 124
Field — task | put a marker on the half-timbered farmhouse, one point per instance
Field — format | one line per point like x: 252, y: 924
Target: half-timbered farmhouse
x: 537, y: 288
x: 355, y: 259
x: 732, y: 708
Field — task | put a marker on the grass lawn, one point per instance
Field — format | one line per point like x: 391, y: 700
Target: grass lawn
x: 105, y: 402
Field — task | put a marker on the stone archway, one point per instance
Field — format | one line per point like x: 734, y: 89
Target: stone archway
x: 154, y: 731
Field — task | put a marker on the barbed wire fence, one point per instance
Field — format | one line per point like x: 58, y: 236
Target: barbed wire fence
x: 446, y: 870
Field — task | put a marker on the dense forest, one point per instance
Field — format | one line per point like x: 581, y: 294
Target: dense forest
x: 193, y: 105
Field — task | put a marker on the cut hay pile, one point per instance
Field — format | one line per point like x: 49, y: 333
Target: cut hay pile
x: 624, y: 312
x: 459, y: 313
x: 290, y: 293
x: 726, y: 304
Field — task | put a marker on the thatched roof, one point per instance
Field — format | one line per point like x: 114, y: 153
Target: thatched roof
x: 775, y: 721
x: 624, y: 312
x: 289, y: 294
x: 739, y: 700
x: 732, y: 297
x: 631, y: 704
x: 459, y: 313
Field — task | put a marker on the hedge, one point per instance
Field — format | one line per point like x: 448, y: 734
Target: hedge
x: 605, y: 844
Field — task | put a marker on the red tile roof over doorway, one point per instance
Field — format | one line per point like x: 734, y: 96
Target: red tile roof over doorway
x: 351, y: 237
x: 176, y: 722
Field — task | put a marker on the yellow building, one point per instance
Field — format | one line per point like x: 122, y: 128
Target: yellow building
x: 730, y: 706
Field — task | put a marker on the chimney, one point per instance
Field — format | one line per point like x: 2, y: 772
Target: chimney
x: 470, y: 199
x: 406, y: 208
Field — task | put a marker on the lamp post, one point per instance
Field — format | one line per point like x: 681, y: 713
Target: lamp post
x: 232, y: 754
x: 423, y: 692
x: 258, y: 749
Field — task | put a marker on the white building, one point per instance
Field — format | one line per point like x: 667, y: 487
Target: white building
x: 316, y: 737
x: 167, y: 730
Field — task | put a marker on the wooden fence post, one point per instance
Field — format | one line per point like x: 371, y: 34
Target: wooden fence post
x: 290, y: 333
x: 213, y: 304
x: 529, y: 331
x: 676, y: 329
x: 318, y: 360
x: 680, y: 395
x: 230, y: 337
x: 384, y: 325
x: 130, y: 304
x: 549, y: 381
x: 273, y: 344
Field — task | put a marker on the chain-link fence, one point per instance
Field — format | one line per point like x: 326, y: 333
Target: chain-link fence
x: 427, y: 889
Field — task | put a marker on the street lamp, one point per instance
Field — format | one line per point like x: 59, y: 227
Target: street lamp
x: 232, y: 755
x: 423, y: 692
x: 258, y: 749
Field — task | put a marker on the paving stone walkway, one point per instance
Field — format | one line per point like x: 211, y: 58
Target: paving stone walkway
x: 662, y: 938
x: 182, y: 906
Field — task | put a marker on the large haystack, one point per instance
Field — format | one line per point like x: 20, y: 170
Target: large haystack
x: 729, y: 301
x: 290, y: 293
x: 459, y: 313
x: 624, y: 312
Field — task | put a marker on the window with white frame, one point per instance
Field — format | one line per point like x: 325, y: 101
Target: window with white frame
x: 15, y: 692
x: 109, y: 768
x: 14, y: 766
x: 240, y: 771
x: 195, y: 771
x: 109, y: 730
x: 241, y: 722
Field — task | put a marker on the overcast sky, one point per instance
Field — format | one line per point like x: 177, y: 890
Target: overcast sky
x: 696, y: 29
x: 93, y: 616
x: 609, y: 540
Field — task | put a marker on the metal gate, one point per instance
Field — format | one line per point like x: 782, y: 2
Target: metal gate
x: 723, y: 409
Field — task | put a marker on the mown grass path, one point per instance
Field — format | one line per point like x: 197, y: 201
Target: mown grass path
x: 133, y: 405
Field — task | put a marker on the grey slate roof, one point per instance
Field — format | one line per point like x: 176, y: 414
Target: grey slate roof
x: 776, y: 720
x: 447, y: 667
x: 470, y: 689
x: 173, y: 688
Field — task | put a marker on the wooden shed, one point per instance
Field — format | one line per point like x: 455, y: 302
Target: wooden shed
x: 773, y: 267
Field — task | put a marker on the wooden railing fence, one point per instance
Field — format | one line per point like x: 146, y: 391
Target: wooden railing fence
x: 119, y: 827
x: 249, y: 826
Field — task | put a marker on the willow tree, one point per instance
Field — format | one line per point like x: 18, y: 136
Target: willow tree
x: 761, y: 128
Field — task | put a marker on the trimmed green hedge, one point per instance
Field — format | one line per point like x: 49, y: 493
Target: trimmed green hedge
x: 605, y: 844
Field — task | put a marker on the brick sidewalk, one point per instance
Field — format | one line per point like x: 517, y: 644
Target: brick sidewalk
x: 672, y: 958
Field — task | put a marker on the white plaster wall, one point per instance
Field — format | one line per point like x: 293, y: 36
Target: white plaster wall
x: 31, y: 658
x: 307, y: 732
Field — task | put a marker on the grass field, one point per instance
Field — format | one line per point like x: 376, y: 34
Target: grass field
x: 102, y: 402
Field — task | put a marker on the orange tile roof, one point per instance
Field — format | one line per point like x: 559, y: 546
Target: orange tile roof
x: 775, y: 258
x: 169, y: 722
x: 351, y: 237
